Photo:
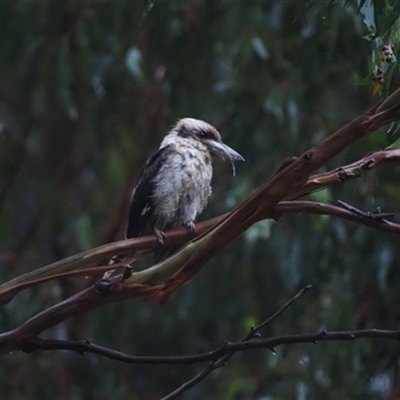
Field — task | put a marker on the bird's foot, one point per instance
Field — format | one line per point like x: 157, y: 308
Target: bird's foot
x: 190, y: 226
x: 160, y: 235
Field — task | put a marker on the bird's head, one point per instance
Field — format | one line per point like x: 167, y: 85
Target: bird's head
x: 205, y: 133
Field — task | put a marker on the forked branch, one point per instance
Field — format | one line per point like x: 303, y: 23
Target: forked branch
x: 290, y: 181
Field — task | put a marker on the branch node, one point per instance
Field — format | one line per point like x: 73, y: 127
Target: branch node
x: 367, y: 164
x: 27, y: 344
x: 104, y: 286
x: 344, y: 175
x: 307, y: 156
x: 127, y: 272
x: 285, y: 163
x: 375, y: 215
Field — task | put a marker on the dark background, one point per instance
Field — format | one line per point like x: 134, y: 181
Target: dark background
x: 87, y: 91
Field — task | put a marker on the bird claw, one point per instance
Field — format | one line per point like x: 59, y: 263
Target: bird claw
x: 190, y: 226
x: 160, y: 235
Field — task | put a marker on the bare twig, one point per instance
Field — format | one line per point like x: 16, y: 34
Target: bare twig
x: 280, y: 311
x: 312, y: 207
x: 34, y: 343
x: 375, y: 215
x: 350, y: 171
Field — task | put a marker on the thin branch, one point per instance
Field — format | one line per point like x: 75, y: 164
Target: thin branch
x: 376, y: 215
x: 192, y: 382
x: 34, y: 343
x: 366, y: 218
x: 280, y: 311
x: 351, y: 171
x: 84, y: 261
x: 323, y: 336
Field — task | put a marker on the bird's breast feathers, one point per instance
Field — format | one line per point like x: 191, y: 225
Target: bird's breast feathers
x: 182, y: 186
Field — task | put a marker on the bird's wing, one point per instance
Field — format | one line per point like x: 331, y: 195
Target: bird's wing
x: 142, y: 208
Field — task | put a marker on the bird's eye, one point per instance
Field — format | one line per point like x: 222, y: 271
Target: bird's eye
x: 202, y: 134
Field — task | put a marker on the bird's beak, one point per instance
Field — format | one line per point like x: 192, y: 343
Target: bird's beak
x: 223, y: 151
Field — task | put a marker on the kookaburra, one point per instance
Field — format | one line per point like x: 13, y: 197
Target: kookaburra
x: 174, y: 185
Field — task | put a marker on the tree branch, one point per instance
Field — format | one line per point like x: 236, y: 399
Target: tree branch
x: 159, y: 281
x: 32, y: 343
x: 351, y: 171
x: 80, y: 264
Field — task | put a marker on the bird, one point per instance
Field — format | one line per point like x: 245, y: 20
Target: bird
x: 174, y: 184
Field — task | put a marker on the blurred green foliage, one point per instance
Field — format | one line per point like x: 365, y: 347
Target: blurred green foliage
x: 88, y: 89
